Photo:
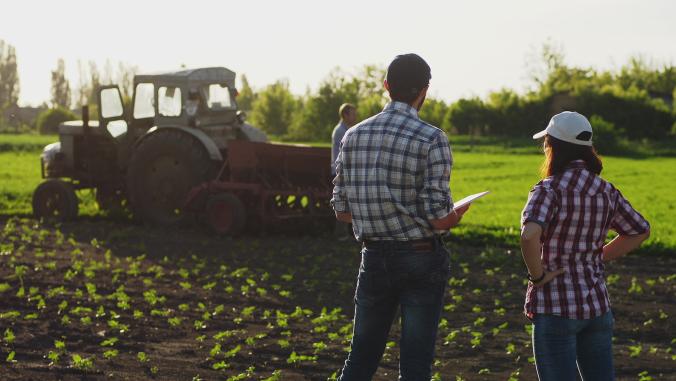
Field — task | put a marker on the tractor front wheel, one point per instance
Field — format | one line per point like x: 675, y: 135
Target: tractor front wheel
x: 225, y: 214
x: 55, y: 199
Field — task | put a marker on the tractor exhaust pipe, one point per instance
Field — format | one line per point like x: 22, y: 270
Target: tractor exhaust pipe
x: 85, y: 118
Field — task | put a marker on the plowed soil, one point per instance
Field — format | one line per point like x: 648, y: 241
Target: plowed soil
x: 99, y: 299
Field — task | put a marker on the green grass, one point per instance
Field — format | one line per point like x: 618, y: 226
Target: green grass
x: 25, y: 142
x: 507, y: 170
x: 19, y: 175
x: 495, y: 218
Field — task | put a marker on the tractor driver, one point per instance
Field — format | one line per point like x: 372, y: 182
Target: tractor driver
x: 192, y: 105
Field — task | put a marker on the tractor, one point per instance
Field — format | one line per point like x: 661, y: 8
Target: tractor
x: 184, y: 149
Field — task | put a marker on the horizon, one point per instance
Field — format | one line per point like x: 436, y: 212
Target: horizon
x: 472, y: 52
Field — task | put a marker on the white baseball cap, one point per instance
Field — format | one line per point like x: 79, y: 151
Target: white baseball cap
x: 568, y: 126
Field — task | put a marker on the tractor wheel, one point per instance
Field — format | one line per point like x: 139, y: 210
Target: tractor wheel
x: 162, y: 170
x: 225, y: 214
x: 55, y: 199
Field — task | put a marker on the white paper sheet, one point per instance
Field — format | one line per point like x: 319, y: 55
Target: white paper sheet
x: 468, y: 200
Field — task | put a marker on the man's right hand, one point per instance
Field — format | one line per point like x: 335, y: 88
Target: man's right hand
x: 459, y: 213
x: 451, y: 220
x: 461, y: 210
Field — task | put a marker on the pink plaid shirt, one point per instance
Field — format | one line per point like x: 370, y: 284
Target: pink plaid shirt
x: 576, y: 209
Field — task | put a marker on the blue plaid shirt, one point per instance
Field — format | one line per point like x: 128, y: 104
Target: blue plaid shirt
x: 392, y: 173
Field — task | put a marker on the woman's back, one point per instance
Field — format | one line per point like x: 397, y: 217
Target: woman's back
x: 576, y: 208
x: 563, y: 231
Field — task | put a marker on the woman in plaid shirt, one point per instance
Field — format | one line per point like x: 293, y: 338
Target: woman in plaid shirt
x: 564, y: 227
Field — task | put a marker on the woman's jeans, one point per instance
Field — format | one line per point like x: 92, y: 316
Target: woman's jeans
x: 564, y: 346
x: 394, y: 274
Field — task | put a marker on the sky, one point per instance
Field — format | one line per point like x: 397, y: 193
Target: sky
x: 473, y: 47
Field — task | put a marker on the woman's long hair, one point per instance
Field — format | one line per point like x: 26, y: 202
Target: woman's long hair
x: 558, y: 154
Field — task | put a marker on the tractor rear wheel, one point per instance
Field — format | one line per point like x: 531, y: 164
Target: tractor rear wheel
x: 225, y: 214
x: 55, y: 199
x: 162, y: 170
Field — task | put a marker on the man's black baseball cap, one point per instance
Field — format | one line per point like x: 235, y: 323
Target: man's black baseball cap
x: 408, y: 74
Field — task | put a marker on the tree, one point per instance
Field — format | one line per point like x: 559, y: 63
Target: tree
x: 125, y: 79
x: 9, y: 76
x: 434, y: 112
x: 644, y: 74
x: 90, y: 79
x: 60, y: 86
x: 274, y: 109
x: 94, y: 83
x: 246, y: 97
x: 88, y: 82
x: 541, y: 64
x: 81, y: 95
x: 48, y: 121
x: 319, y: 113
x: 468, y: 116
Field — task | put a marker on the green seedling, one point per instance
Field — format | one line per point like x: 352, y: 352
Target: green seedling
x: 9, y: 336
x: 295, y: 358
x: 109, y: 342
x: 142, y: 357
x: 82, y: 363
x: 635, y: 350
x: 110, y: 354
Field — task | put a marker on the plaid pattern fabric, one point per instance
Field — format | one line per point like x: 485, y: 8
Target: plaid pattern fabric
x: 576, y: 209
x: 392, y: 174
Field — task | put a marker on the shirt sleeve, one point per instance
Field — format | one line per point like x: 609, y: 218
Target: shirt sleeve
x: 339, y: 200
x: 541, y: 206
x: 436, y: 194
x: 626, y: 220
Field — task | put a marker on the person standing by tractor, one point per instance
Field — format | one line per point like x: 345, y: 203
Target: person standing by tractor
x: 392, y: 182
x: 348, y: 117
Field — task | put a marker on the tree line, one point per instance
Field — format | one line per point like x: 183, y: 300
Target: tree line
x: 634, y: 102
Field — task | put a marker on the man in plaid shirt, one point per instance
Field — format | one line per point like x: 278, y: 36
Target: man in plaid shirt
x: 392, y: 183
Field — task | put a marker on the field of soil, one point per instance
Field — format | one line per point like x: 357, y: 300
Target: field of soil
x: 100, y: 299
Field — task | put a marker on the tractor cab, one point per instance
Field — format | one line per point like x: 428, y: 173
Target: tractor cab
x: 200, y: 98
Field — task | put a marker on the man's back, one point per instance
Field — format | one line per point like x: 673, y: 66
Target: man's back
x: 395, y: 171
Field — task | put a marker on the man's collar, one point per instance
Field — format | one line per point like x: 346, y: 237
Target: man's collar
x: 402, y: 107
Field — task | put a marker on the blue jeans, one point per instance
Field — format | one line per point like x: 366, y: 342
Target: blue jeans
x: 562, y: 347
x: 391, y: 275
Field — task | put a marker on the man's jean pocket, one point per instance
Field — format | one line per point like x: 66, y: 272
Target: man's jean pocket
x: 418, y: 278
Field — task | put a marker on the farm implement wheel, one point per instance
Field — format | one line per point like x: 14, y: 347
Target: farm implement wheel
x: 162, y: 170
x: 225, y: 214
x: 55, y: 199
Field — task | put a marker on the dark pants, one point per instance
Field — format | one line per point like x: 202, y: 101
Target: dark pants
x: 394, y: 274
x: 563, y: 347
